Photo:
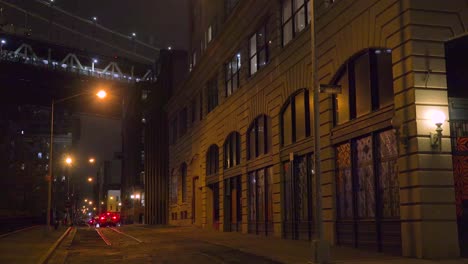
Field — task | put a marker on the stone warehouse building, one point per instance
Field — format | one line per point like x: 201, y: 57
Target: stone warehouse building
x: 241, y: 124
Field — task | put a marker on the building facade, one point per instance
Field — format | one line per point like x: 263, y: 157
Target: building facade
x: 241, y: 125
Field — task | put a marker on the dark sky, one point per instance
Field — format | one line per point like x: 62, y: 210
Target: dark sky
x: 163, y: 22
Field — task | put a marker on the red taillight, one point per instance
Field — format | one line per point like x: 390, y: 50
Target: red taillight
x: 108, y: 213
x: 114, y: 217
x: 102, y: 218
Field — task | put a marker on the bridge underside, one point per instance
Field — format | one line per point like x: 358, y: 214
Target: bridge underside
x: 26, y: 84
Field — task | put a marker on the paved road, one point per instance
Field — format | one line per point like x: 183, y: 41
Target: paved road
x: 166, y: 246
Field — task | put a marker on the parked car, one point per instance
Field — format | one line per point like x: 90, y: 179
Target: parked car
x: 108, y: 219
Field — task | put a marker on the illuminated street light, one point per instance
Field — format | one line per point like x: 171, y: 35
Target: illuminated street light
x: 3, y: 42
x: 90, y: 202
x: 85, y: 200
x: 133, y: 34
x: 102, y: 202
x: 101, y: 94
x: 94, y: 18
x: 51, y: 149
x: 112, y: 197
x: 90, y: 179
x: 132, y: 196
x: 91, y: 160
x: 137, y: 196
x: 120, y: 204
x: 69, y: 161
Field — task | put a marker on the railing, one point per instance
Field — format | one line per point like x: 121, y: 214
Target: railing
x: 76, y: 63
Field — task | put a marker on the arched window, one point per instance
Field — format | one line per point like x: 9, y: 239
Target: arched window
x: 212, y: 159
x: 366, y: 85
x: 232, y: 150
x: 174, y: 186
x: 183, y: 178
x: 258, y: 137
x: 296, y: 118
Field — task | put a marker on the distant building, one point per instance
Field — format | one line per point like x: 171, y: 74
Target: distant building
x: 114, y: 201
x: 24, y: 160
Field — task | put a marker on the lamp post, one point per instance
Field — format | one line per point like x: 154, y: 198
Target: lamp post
x: 101, y: 94
x: 320, y: 245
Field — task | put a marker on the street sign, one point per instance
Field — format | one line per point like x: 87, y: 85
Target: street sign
x: 330, y: 89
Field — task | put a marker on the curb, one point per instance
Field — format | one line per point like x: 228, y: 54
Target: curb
x: 49, y: 252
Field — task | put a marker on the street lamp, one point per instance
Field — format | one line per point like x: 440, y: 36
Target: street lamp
x: 321, y: 246
x: 90, y: 179
x: 91, y: 160
x: 101, y: 94
x: 2, y: 43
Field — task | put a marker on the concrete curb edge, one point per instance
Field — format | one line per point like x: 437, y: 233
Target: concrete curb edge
x: 51, y: 250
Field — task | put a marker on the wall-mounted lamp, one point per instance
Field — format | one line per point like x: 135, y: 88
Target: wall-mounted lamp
x: 438, y: 118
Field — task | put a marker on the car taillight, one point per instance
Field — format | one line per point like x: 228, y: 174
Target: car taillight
x: 102, y: 218
x: 114, y: 217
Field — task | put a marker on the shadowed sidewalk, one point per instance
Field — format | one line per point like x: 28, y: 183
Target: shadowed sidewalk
x: 29, y: 245
x: 281, y: 250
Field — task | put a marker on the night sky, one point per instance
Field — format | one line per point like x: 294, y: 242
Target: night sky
x: 162, y: 23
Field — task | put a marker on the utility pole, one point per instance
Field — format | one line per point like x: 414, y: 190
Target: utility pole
x: 320, y: 245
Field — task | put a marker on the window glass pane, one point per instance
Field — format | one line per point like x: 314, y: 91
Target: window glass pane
x: 344, y: 185
x: 298, y: 4
x: 238, y: 149
x: 261, y: 136
x: 234, y: 64
x: 233, y: 151
x: 228, y: 88
x: 252, y: 197
x: 262, y: 58
x: 287, y: 32
x: 342, y: 100
x: 253, y: 65
x: 287, y: 10
x: 299, y: 20
x: 261, y: 37
x: 253, y: 45
x: 311, y: 112
x: 252, y: 152
x: 267, y: 134
x: 366, y: 179
x: 363, y: 89
x: 302, y: 188
x: 261, y: 195
x: 385, y: 78
x: 287, y: 126
x: 300, y: 116
x: 388, y: 175
x: 226, y: 155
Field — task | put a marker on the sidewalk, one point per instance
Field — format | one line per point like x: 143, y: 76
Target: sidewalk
x: 293, y: 251
x: 28, y: 246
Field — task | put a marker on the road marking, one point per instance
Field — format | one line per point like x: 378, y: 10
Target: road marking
x: 51, y: 250
x: 103, y: 237
x: 120, y: 232
x: 17, y: 231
